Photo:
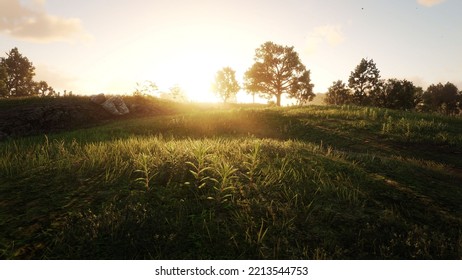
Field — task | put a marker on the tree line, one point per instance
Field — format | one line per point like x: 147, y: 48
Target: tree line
x: 366, y: 88
x: 277, y: 70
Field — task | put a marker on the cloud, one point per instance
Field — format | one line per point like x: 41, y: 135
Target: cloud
x: 430, y: 3
x: 32, y: 23
x: 330, y: 34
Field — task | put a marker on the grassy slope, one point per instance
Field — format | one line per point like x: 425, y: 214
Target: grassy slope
x: 314, y: 182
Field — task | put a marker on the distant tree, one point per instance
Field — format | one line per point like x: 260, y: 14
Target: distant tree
x: 365, y: 83
x: 176, y: 93
x: 277, y: 70
x: 20, y: 72
x: 66, y: 93
x: 225, y: 85
x: 146, y: 88
x: 43, y: 89
x: 338, y: 94
x: 442, y: 98
x: 3, y: 81
x: 303, y: 90
x: 398, y: 94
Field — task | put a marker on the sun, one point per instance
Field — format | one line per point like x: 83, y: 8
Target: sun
x: 193, y: 71
x: 197, y: 84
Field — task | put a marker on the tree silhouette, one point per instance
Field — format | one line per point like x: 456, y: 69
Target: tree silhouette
x: 225, y: 85
x: 277, y: 70
x: 20, y: 73
x: 303, y: 90
x: 43, y: 89
x: 338, y: 94
x: 441, y: 98
x: 365, y: 83
x: 146, y: 88
x: 398, y: 94
x: 3, y: 81
x: 176, y: 93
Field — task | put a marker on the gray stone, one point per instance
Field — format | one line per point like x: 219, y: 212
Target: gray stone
x: 98, y: 98
x: 115, y: 106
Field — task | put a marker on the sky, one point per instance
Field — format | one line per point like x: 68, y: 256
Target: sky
x: 108, y: 46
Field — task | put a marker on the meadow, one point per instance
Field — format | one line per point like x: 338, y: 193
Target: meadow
x: 238, y: 182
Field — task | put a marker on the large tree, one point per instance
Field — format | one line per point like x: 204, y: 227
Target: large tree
x: 442, y: 98
x: 365, y: 83
x: 20, y: 72
x: 278, y: 70
x: 225, y: 85
x: 398, y: 94
x: 338, y: 94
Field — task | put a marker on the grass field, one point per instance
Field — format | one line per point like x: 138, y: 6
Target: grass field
x: 316, y: 182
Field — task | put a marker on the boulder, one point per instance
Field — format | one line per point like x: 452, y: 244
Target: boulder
x: 115, y: 106
x: 98, y: 98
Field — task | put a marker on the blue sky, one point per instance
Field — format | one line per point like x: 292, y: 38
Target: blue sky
x: 110, y: 45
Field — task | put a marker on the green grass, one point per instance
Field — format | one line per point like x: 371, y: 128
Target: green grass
x: 316, y: 182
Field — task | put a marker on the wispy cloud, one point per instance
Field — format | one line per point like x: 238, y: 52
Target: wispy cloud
x: 33, y: 23
x: 430, y: 3
x: 330, y: 34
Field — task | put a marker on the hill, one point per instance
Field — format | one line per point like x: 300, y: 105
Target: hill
x: 316, y: 182
x: 31, y: 116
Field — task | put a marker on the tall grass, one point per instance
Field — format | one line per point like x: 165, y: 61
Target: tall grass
x: 253, y: 183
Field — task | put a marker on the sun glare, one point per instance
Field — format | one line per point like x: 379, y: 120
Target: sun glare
x: 192, y: 71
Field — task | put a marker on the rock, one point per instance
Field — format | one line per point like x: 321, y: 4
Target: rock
x: 115, y: 106
x: 98, y: 98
